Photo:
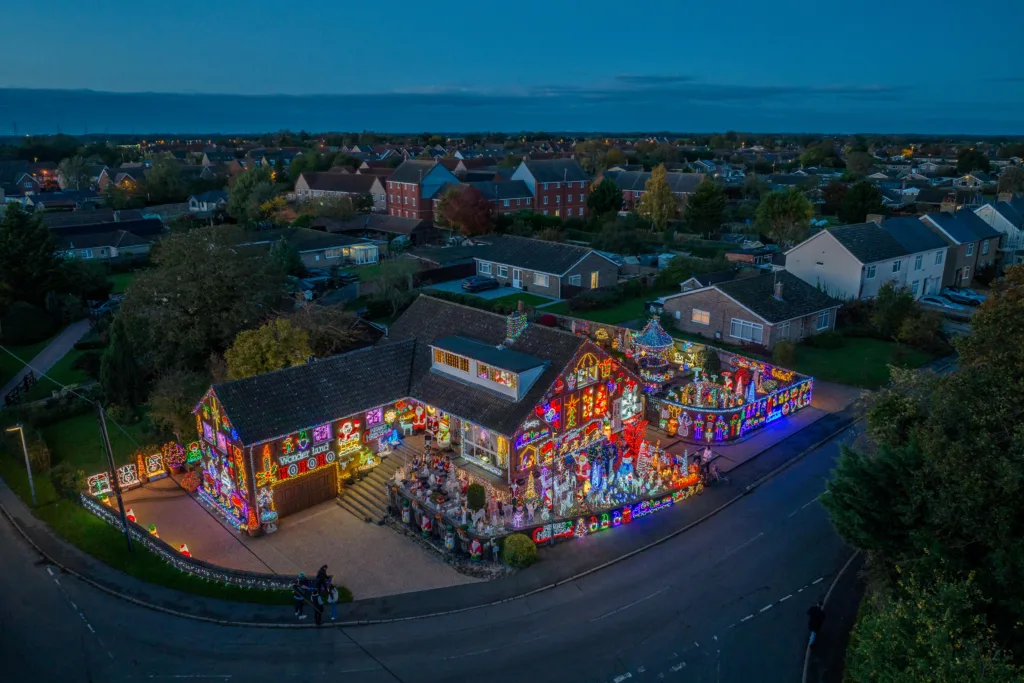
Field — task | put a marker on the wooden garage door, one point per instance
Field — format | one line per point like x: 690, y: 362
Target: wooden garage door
x: 307, y: 491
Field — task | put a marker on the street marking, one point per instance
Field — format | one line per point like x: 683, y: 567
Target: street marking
x: 640, y: 669
x: 56, y: 582
x: 817, y: 581
x: 89, y: 626
x: 811, y: 501
x: 716, y: 638
x: 786, y: 598
x: 49, y: 570
x: 749, y: 616
x: 765, y: 609
x: 624, y: 607
x: 677, y: 667
x: 74, y: 605
x: 619, y: 679
x: 744, y: 545
x: 696, y: 644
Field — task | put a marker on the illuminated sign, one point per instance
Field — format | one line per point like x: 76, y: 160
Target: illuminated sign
x: 208, y: 433
x: 321, y: 433
x: 99, y: 484
x: 559, y: 529
x: 378, y: 432
x: 531, y: 436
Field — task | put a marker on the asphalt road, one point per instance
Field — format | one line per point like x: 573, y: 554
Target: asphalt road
x: 725, y: 601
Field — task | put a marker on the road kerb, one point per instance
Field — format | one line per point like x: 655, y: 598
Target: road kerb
x: 807, y: 652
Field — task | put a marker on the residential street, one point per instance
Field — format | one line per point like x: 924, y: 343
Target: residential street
x: 725, y: 601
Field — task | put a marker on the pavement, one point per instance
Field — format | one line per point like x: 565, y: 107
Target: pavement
x: 725, y: 601
x: 456, y: 287
x: 48, y: 357
x: 826, y: 660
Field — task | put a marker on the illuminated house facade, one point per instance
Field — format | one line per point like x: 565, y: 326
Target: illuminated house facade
x: 515, y: 402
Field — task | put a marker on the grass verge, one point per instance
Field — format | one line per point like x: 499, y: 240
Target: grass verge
x: 527, y: 299
x: 10, y: 366
x: 860, y: 362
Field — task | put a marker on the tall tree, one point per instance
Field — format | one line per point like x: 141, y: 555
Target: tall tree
x: 275, y: 345
x: 658, y: 204
x: 164, y: 184
x: 29, y: 265
x: 861, y: 199
x: 74, y: 173
x: 467, y: 210
x: 331, y: 329
x: 172, y: 398
x: 969, y: 159
x: 833, y: 194
x: 285, y: 256
x: 1011, y: 179
x: 119, y: 371
x: 605, y: 197
x: 204, y: 288
x: 859, y: 162
x: 241, y: 204
x: 785, y: 215
x: 705, y: 208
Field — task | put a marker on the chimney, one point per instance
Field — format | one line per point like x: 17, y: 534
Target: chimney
x: 778, y: 291
x: 875, y: 218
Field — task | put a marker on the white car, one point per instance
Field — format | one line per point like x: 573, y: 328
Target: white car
x: 963, y: 295
x: 942, y: 302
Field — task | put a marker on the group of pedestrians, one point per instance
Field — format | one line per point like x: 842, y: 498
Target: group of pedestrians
x: 318, y: 593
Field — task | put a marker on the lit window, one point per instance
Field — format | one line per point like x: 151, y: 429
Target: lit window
x: 540, y: 279
x: 700, y: 317
x: 747, y: 331
x: 503, y: 377
x: 870, y: 273
x: 451, y: 360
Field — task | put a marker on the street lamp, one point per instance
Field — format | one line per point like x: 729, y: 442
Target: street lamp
x: 28, y: 467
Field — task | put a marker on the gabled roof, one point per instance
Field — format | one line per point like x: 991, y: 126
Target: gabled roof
x: 374, y: 222
x: 278, y: 403
x: 428, y: 319
x: 523, y: 252
x: 143, y: 227
x: 758, y: 295
x: 868, y: 242
x: 413, y: 171
x: 89, y: 217
x: 350, y: 183
x: 636, y: 181
x: 1012, y: 211
x: 913, y: 234
x: 556, y: 170
x: 963, y: 226
x: 106, y: 238
x: 211, y: 196
x: 305, y: 239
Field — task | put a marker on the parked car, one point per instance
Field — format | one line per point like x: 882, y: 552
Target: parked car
x: 942, y: 302
x: 963, y: 295
x: 479, y: 283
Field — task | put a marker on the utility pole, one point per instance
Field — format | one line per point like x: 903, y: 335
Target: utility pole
x: 115, y: 484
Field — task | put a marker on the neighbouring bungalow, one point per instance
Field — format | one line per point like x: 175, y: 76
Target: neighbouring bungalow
x: 320, y: 249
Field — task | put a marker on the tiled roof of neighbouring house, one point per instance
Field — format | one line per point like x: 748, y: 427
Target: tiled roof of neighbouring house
x: 913, y: 234
x: 758, y: 294
x: 429, y: 319
x: 349, y: 183
x: 89, y: 217
x: 868, y: 242
x: 104, y: 238
x: 278, y: 403
x: 556, y: 170
x: 539, y: 255
x: 963, y: 226
x: 143, y: 227
x: 636, y: 181
x: 412, y: 171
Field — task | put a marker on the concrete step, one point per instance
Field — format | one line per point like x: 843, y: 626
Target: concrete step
x: 346, y: 503
x: 368, y: 500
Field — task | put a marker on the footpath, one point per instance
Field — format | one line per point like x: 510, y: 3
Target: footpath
x: 48, y: 357
x: 558, y: 564
x: 826, y: 661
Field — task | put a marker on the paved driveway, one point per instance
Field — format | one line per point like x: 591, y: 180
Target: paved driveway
x: 456, y: 287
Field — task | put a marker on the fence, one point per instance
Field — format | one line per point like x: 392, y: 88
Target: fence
x: 189, y: 565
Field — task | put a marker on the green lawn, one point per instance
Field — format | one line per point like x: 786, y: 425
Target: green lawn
x: 365, y: 273
x: 60, y: 374
x: 91, y: 534
x: 527, y: 299
x: 861, y: 362
x: 9, y: 366
x: 77, y: 440
x: 121, y: 281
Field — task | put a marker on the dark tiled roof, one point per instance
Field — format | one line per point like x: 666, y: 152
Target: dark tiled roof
x: 374, y: 222
x: 278, y: 403
x: 10, y: 171
x: 868, y: 242
x: 758, y: 294
x: 1012, y: 211
x: 524, y: 252
x: 636, y: 181
x: 934, y: 195
x: 340, y: 182
x: 913, y: 234
x: 305, y: 239
x: 212, y: 196
x: 143, y: 227
x: 412, y: 171
x: 963, y: 226
x: 104, y: 238
x: 503, y: 189
x: 506, y: 359
x: 556, y: 170
x: 429, y: 319
x: 89, y: 217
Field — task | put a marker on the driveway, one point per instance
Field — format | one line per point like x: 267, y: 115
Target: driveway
x: 455, y: 286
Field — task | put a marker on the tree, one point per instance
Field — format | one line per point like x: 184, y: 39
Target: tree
x: 859, y: 162
x: 203, y: 289
x: 927, y: 632
x: 331, y: 329
x: 833, y: 194
x: 890, y: 308
x: 605, y: 197
x: 969, y: 159
x: 709, y: 362
x: 395, y: 281
x: 285, y: 256
x: 240, y: 196
x: 551, y: 235
x: 119, y: 371
x: 785, y: 215
x: 29, y: 265
x: 860, y: 200
x: 1011, y: 179
x: 123, y: 196
x: 85, y: 278
x: 658, y: 204
x: 74, y: 173
x: 705, y: 209
x: 172, y: 398
x: 164, y: 184
x: 275, y: 345
x: 467, y: 210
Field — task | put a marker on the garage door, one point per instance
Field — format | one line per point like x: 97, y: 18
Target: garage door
x: 307, y: 491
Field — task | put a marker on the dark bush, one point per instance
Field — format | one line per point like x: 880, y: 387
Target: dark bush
x: 634, y: 287
x: 784, y: 354
x: 26, y: 324
x: 91, y: 341
x: 476, y: 497
x: 41, y: 415
x: 519, y: 551
x: 595, y: 298
x: 826, y: 340
x: 89, y: 364
x: 67, y: 481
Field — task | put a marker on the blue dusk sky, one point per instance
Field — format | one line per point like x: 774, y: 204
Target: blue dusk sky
x: 406, y: 65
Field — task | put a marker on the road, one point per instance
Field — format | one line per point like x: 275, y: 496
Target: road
x: 725, y: 601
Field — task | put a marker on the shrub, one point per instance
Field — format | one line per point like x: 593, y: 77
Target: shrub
x: 784, y: 354
x: 519, y: 551
x: 41, y: 415
x: 122, y: 414
x: 826, y: 340
x: 67, y: 481
x: 595, y: 298
x: 476, y: 497
x: 190, y: 482
x: 39, y: 455
x: 91, y: 341
x: 89, y: 364
x: 26, y: 324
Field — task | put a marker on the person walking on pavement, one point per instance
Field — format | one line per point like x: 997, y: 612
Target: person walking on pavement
x: 299, y: 596
x: 815, y: 619
x: 332, y: 600
x: 321, y: 578
x: 318, y: 607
